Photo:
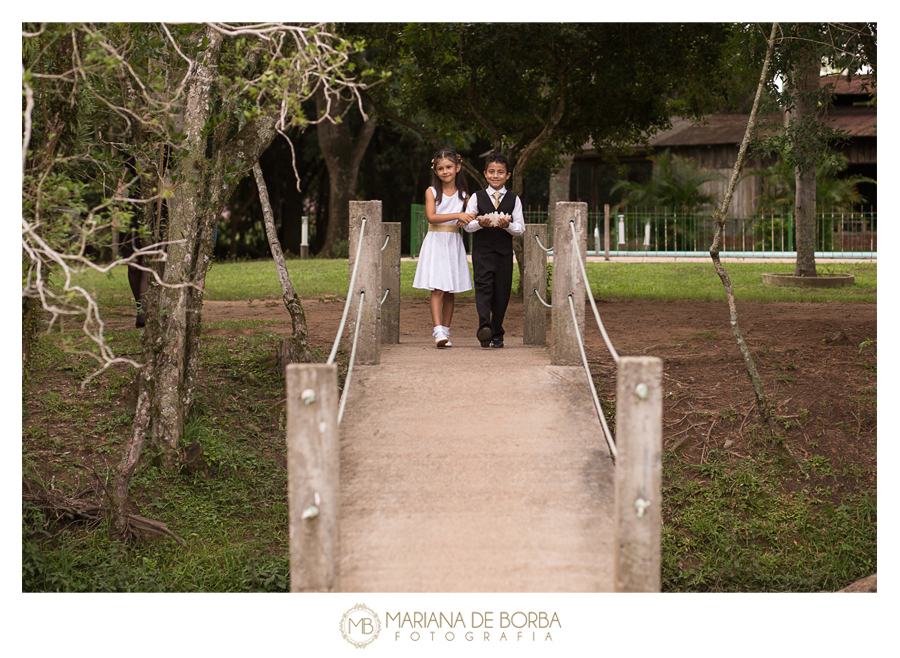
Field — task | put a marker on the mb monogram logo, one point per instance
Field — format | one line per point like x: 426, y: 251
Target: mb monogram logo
x: 360, y: 626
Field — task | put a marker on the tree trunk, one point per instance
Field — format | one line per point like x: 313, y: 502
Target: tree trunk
x: 343, y: 153
x: 559, y: 184
x: 518, y: 241
x: 518, y: 176
x: 203, y: 185
x: 118, y: 492
x: 762, y: 401
x: 167, y: 406
x: 299, y: 334
x: 805, y: 200
x: 805, y: 221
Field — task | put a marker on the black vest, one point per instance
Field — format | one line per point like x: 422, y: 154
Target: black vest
x: 493, y: 238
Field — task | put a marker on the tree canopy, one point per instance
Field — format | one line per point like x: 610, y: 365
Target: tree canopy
x: 539, y: 90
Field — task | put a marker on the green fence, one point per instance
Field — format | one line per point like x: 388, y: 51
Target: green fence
x: 664, y: 232
x: 661, y: 231
x: 418, y: 226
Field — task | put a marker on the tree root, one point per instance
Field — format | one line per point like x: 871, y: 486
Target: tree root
x: 59, y: 507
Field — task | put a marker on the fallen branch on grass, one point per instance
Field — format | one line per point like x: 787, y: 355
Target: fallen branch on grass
x: 51, y: 502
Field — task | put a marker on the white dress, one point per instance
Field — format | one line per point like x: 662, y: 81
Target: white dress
x: 442, y: 260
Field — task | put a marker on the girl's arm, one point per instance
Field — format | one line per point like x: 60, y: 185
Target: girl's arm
x: 434, y: 218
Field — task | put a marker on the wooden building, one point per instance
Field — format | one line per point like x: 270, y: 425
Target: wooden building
x: 714, y: 143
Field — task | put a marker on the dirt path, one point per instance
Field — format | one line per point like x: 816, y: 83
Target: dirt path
x: 473, y: 470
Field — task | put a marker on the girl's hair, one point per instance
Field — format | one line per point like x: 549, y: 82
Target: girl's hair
x: 454, y: 157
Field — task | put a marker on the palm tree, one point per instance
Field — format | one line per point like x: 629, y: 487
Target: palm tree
x: 834, y: 195
x: 676, y: 183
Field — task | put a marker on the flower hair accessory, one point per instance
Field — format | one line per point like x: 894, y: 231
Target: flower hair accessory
x: 446, y: 154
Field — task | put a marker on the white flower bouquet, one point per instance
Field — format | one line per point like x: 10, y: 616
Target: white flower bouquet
x: 495, y: 217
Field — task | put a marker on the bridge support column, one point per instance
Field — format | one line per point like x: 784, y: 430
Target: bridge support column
x: 313, y: 476
x: 566, y: 281
x: 390, y: 280
x: 639, y: 414
x: 535, y: 278
x: 368, y: 281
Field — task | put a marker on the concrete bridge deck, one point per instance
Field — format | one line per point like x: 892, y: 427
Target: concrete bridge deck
x: 473, y: 470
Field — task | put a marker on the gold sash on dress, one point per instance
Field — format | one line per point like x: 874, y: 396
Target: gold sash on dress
x: 444, y: 228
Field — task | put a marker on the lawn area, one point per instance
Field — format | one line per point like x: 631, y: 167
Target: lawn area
x: 614, y: 280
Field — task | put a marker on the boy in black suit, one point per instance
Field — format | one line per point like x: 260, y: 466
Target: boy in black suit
x: 492, y: 250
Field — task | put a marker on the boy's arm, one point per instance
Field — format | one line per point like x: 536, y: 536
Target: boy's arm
x: 472, y: 209
x: 517, y: 223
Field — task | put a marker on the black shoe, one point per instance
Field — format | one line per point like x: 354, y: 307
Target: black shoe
x: 140, y: 321
x: 497, y: 342
x: 484, y: 336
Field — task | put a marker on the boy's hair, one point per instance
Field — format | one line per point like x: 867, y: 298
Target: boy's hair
x: 494, y: 156
x: 461, y: 189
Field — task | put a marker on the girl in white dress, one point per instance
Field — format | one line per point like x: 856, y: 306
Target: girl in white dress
x: 443, y: 268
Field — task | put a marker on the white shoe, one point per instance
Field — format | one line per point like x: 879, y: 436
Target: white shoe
x: 440, y: 339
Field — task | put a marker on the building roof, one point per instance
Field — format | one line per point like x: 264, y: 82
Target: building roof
x: 713, y: 129
x: 729, y: 128
x: 855, y: 86
x: 857, y: 121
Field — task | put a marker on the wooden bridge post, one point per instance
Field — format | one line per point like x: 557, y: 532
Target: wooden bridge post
x: 639, y: 413
x: 313, y: 476
x: 390, y: 279
x: 368, y: 280
x: 535, y: 277
x: 567, y: 280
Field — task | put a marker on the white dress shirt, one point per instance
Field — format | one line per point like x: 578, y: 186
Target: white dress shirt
x: 516, y: 224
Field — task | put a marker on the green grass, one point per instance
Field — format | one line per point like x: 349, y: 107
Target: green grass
x: 699, y: 281
x: 614, y: 280
x: 232, y: 514
x: 728, y: 527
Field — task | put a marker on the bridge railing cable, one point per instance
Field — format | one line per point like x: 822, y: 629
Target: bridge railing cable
x: 612, y: 350
x: 590, y: 296
x: 639, y: 413
x: 536, y: 293
x: 362, y: 296
x: 606, y: 432
x: 340, y: 331
x: 538, y: 240
x: 387, y: 291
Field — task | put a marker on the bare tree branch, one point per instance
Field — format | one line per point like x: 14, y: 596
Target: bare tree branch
x: 763, y: 403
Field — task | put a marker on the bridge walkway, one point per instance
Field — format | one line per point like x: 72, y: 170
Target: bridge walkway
x: 467, y: 469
